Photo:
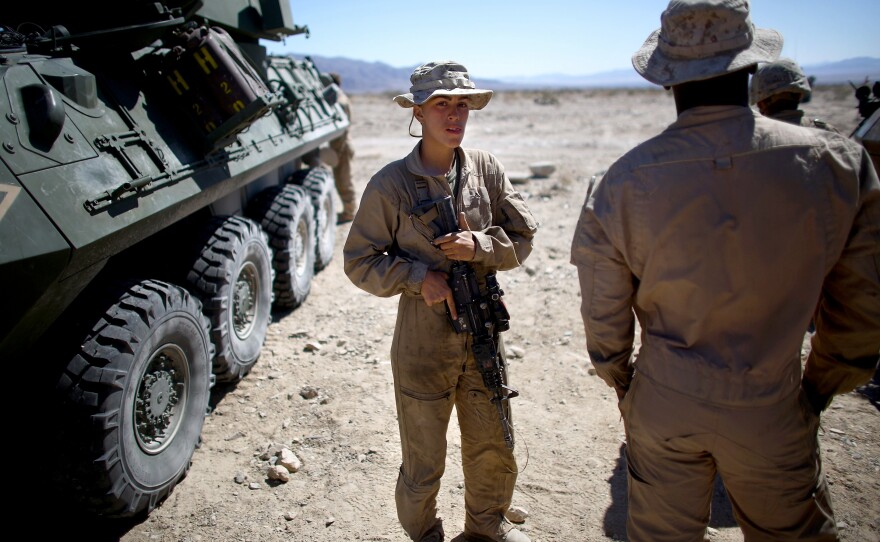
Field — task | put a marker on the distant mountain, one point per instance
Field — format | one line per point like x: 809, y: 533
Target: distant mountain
x: 361, y: 77
x: 829, y: 73
x: 851, y: 69
x: 610, y: 79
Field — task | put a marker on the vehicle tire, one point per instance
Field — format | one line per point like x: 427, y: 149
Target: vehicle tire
x: 137, y: 394
x: 285, y: 213
x: 233, y: 278
x: 318, y: 182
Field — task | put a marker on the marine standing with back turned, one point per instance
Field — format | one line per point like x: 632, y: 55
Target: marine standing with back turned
x: 724, y: 235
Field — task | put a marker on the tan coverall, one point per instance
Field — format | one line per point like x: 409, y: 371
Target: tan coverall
x: 797, y: 117
x: 725, y: 234
x: 342, y: 169
x: 388, y: 252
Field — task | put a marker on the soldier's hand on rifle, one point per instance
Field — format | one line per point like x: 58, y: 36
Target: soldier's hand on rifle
x: 459, y: 245
x: 435, y: 289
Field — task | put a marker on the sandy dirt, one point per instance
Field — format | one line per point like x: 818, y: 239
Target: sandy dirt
x: 569, y: 431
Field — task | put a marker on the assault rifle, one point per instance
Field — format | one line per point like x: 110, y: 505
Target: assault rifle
x: 483, y: 315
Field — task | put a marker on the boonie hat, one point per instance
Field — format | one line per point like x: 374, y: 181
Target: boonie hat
x: 773, y: 78
x: 701, y: 39
x: 444, y: 78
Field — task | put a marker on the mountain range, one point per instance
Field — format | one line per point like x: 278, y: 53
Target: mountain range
x: 362, y: 77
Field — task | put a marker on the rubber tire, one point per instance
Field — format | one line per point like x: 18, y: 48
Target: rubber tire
x: 319, y: 183
x: 285, y: 213
x: 103, y: 383
x: 235, y: 256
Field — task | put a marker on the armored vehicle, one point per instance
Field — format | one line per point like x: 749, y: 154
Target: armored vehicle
x: 160, y: 194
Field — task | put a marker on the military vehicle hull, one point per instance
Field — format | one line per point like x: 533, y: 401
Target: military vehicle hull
x: 160, y: 193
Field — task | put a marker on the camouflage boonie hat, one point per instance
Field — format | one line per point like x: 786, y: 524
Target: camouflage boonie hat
x: 444, y: 78
x: 701, y: 39
x: 784, y: 75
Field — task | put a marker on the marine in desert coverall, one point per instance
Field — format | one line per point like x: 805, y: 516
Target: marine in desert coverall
x: 388, y: 252
x: 342, y: 170
x: 726, y: 234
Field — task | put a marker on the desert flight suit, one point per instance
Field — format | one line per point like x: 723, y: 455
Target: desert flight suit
x: 726, y: 234
x: 796, y: 116
x: 388, y: 252
x: 342, y: 169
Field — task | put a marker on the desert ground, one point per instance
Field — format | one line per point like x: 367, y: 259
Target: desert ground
x: 323, y: 386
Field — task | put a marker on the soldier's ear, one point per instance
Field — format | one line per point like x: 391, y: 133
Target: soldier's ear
x: 417, y: 113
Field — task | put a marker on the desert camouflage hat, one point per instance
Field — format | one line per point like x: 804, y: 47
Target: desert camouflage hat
x: 444, y: 78
x: 773, y: 78
x: 701, y: 39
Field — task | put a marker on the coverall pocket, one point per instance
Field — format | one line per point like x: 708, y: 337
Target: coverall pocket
x: 423, y: 229
x: 809, y: 415
x: 485, y: 411
x: 477, y: 207
x: 810, y: 420
x: 424, y: 419
x: 631, y: 469
x: 426, y: 396
x: 624, y: 404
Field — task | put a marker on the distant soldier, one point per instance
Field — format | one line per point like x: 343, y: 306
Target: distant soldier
x: 809, y: 96
x: 778, y: 88
x: 343, y: 151
x: 867, y: 104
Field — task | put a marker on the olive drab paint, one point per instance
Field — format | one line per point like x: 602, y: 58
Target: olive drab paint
x: 152, y: 184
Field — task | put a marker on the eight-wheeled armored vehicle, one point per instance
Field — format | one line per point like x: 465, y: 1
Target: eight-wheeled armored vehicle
x: 160, y: 193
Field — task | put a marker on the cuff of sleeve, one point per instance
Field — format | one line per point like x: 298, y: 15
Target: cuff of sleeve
x: 614, y: 375
x: 483, y: 246
x: 416, y: 277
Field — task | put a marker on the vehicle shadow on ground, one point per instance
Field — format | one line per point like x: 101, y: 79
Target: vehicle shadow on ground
x: 39, y: 503
x: 219, y: 392
x: 44, y: 507
x: 614, y: 524
x: 59, y: 520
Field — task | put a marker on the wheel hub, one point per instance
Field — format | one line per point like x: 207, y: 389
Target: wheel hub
x: 160, y: 399
x: 244, y: 300
x: 301, y: 243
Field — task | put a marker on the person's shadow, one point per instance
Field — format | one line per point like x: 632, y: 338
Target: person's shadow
x: 871, y: 390
x: 614, y: 523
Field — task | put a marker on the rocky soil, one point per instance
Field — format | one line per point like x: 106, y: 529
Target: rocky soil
x: 323, y: 386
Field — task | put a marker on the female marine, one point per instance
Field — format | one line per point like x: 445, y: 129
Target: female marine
x: 392, y: 249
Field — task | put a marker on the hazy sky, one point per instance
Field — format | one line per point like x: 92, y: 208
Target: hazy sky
x: 497, y: 38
